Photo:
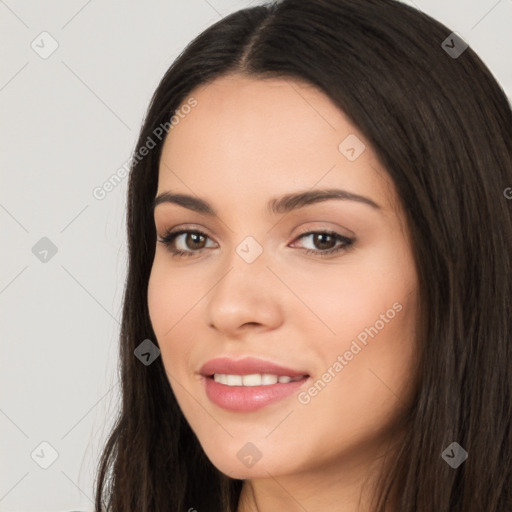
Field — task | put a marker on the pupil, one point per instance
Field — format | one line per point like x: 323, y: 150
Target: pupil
x: 195, y: 237
x: 320, y: 236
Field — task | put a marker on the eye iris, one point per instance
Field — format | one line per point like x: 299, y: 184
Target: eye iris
x: 195, y: 240
x: 322, y: 237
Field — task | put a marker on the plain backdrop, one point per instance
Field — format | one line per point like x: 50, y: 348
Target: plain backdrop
x: 69, y: 119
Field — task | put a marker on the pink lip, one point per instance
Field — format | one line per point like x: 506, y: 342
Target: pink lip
x: 246, y: 366
x: 248, y: 398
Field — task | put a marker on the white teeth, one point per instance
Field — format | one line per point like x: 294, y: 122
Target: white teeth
x: 269, y: 379
x: 251, y: 380
x: 254, y: 379
x: 220, y: 377
x: 234, y: 380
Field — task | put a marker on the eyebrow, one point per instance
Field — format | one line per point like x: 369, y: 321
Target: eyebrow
x: 277, y: 205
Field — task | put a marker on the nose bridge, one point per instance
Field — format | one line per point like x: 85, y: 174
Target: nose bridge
x: 249, y: 250
x: 244, y: 293
x: 247, y: 273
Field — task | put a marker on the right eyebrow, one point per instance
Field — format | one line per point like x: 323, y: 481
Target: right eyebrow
x: 190, y: 202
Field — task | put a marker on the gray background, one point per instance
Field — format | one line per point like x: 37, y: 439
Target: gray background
x: 68, y: 122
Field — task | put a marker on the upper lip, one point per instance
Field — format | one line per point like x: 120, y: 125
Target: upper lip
x: 246, y: 366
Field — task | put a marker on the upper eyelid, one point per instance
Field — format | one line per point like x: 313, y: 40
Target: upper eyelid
x: 188, y: 229
x: 193, y: 227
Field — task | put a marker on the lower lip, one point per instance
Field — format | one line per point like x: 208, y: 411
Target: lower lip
x: 249, y: 398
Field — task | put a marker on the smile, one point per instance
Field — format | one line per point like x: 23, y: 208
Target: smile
x: 254, y: 379
x: 249, y: 384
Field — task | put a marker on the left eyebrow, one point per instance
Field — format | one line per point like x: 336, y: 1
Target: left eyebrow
x: 289, y: 202
x: 277, y: 205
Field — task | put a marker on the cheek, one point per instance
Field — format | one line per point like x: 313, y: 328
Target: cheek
x: 371, y: 313
x: 165, y: 307
x: 159, y: 300
x: 343, y: 308
x: 373, y: 294
x: 377, y: 341
x: 167, y: 297
x: 360, y: 403
x: 172, y: 297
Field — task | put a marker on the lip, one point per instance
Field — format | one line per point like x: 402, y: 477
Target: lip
x: 246, y: 366
x: 248, y: 398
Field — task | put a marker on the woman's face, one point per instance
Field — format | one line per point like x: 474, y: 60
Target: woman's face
x: 257, y: 298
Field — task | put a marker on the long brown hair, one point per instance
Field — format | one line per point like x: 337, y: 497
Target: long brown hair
x: 442, y: 127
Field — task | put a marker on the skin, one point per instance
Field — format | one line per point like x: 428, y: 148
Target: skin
x: 247, y: 141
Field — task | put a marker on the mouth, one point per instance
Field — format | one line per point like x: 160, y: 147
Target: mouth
x: 253, y: 379
x: 249, y: 384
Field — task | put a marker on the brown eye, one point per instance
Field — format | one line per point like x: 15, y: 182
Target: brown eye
x: 188, y: 243
x: 326, y: 242
x: 185, y: 243
x: 194, y: 241
x: 321, y: 241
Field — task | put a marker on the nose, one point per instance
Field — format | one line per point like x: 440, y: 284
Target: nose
x: 247, y: 296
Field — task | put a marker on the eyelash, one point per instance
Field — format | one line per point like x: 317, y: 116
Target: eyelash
x: 170, y: 236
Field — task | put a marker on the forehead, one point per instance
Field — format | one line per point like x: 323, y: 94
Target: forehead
x: 246, y: 135
x: 238, y: 112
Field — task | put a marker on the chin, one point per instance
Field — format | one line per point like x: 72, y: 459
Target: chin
x: 243, y: 460
x: 238, y: 471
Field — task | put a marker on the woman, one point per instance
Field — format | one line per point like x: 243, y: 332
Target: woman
x: 319, y: 237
